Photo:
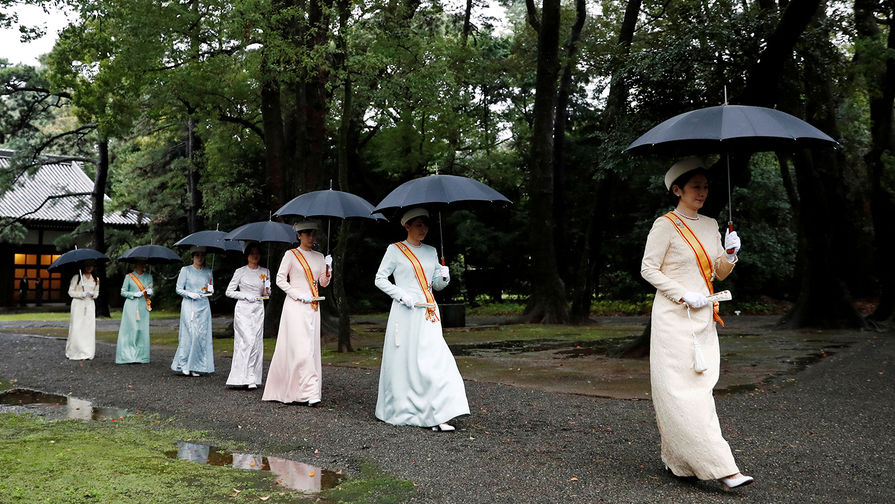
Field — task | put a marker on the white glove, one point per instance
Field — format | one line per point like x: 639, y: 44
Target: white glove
x: 193, y: 295
x: 445, y: 273
x: 304, y: 298
x: 407, y: 301
x: 139, y: 294
x: 328, y: 260
x: 731, y: 241
x: 695, y: 299
x: 85, y: 294
x: 267, y: 283
x: 149, y: 291
x: 250, y: 298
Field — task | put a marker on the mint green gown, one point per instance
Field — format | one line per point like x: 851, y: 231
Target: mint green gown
x: 133, y: 333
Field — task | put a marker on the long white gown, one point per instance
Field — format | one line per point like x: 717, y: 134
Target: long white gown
x: 248, y: 325
x: 419, y: 383
x: 692, y: 442
x: 81, y: 342
x: 295, y: 369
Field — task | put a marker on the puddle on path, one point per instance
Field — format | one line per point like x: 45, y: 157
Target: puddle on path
x: 289, y: 473
x: 19, y: 400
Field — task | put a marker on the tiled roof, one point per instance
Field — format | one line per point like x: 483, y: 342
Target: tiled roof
x: 56, y: 179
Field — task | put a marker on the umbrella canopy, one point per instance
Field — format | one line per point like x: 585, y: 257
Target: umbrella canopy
x: 75, y: 256
x: 435, y: 190
x: 729, y: 128
x: 150, y: 254
x: 329, y: 203
x: 263, y: 232
x: 212, y: 240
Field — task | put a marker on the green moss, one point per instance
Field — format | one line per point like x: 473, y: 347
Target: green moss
x: 372, y: 486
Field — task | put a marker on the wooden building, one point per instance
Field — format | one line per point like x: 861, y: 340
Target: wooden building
x: 49, y: 204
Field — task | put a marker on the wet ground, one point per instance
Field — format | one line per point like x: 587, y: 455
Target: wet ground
x: 807, y: 413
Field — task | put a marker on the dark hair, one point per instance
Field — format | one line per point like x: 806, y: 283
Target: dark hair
x: 682, y: 181
x: 252, y: 246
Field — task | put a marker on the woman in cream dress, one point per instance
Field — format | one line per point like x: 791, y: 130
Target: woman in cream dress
x: 83, y: 289
x: 295, y: 370
x: 419, y: 383
x: 249, y: 285
x: 684, y: 352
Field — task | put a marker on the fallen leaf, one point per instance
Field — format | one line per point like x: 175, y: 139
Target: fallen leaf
x: 237, y: 490
x: 574, y: 479
x: 252, y: 463
x: 312, y: 474
x: 263, y: 498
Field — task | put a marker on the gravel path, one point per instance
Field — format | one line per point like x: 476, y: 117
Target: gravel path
x: 823, y: 435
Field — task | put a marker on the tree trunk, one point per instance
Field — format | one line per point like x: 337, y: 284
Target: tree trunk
x: 824, y: 226
x: 99, y: 226
x: 547, y: 302
x: 879, y: 77
x: 194, y: 220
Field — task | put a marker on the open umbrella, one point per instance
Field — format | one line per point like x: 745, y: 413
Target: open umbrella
x: 212, y: 240
x: 438, y: 191
x: 329, y: 203
x: 151, y: 254
x: 726, y: 129
x: 263, y: 232
x: 75, y: 256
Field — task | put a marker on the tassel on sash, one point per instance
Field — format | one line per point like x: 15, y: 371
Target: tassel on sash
x: 702, y: 258
x: 140, y: 286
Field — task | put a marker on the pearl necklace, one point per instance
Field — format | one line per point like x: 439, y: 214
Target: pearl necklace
x: 685, y: 216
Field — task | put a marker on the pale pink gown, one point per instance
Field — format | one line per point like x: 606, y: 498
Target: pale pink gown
x: 295, y: 371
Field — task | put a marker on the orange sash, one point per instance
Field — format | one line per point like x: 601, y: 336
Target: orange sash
x: 136, y: 280
x: 702, y: 257
x: 421, y: 278
x: 309, y: 275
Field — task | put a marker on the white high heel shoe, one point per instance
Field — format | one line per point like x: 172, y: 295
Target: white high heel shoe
x: 737, y: 481
x: 444, y: 427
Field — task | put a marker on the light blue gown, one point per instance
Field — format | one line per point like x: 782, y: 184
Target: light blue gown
x: 194, y: 350
x: 133, y: 333
x: 419, y: 383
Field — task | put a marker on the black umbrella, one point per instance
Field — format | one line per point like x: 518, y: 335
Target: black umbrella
x: 727, y: 129
x: 263, y: 232
x: 151, y: 254
x: 438, y: 191
x: 212, y: 240
x: 75, y: 256
x: 329, y: 203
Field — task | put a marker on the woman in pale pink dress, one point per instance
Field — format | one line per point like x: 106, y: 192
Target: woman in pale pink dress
x: 295, y: 371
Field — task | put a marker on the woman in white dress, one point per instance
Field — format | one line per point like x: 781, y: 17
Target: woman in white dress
x: 419, y: 383
x: 295, y: 370
x: 249, y: 285
x: 83, y: 289
x: 683, y: 254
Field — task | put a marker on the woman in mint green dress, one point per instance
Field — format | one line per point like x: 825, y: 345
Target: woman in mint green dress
x: 195, y: 353
x: 133, y: 333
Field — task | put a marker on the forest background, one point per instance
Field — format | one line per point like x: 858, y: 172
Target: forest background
x: 210, y: 114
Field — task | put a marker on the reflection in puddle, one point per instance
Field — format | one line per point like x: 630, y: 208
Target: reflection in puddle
x: 41, y: 403
x: 289, y: 473
x: 563, y: 349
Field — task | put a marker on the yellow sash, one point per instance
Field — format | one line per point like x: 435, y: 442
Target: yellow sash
x: 431, y: 315
x: 136, y: 280
x: 309, y: 275
x: 702, y: 257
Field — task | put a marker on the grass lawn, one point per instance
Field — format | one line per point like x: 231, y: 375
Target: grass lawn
x: 123, y: 460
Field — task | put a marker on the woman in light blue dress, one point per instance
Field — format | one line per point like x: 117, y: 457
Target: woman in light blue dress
x: 419, y: 383
x: 133, y: 333
x: 195, y: 353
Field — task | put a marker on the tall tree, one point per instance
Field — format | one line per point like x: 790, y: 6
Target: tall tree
x: 547, y: 301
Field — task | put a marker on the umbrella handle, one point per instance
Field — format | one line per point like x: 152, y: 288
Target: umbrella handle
x: 730, y: 230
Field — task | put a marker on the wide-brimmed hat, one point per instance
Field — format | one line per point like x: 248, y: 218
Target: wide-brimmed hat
x: 305, y: 226
x: 681, y: 167
x: 413, y: 213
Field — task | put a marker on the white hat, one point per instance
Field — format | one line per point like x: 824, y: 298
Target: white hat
x: 413, y: 213
x: 304, y: 226
x: 681, y: 167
